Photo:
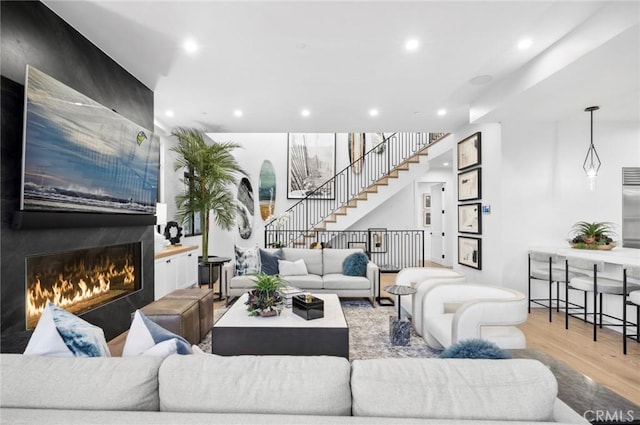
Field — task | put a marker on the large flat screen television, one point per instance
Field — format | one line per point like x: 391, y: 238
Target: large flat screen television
x: 79, y: 156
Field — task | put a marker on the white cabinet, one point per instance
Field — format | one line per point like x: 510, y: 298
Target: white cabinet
x: 175, y: 268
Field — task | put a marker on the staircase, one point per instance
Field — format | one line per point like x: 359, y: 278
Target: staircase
x: 385, y: 169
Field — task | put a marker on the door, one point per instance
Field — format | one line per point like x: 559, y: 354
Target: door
x: 437, y: 223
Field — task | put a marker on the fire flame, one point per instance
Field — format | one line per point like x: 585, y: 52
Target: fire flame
x: 76, y: 284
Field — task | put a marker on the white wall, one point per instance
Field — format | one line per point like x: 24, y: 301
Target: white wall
x: 545, y: 189
x: 255, y: 148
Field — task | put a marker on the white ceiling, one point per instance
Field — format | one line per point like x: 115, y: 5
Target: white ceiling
x: 339, y: 59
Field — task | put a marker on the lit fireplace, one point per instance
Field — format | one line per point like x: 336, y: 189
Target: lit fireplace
x: 81, y: 280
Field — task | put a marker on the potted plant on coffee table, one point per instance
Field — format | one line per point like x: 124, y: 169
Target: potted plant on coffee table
x: 596, y: 235
x: 265, y: 300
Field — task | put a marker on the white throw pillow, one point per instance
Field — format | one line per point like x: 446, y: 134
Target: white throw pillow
x: 292, y: 268
x: 62, y: 334
x: 145, y: 334
x: 247, y: 260
x: 163, y: 349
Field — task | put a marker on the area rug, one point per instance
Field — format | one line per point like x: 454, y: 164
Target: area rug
x: 368, y: 333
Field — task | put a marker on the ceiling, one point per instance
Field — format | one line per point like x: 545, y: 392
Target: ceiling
x: 340, y: 59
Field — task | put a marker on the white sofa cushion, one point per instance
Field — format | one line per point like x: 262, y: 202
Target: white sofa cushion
x: 308, y: 385
x: 246, y: 282
x: 292, y: 268
x: 333, y: 259
x: 312, y: 258
x: 518, y: 389
x: 307, y: 282
x: 94, y: 383
x: 341, y: 281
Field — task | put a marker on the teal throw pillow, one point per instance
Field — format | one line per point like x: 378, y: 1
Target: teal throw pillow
x: 474, y: 349
x: 355, y: 264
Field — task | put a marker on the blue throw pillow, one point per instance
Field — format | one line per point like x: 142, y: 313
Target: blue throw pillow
x: 474, y: 349
x: 269, y: 261
x: 355, y: 264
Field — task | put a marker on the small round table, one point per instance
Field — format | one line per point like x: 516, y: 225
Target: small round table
x: 214, y: 263
x: 399, y: 330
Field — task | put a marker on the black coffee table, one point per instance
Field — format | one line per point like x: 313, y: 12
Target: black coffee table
x: 595, y: 402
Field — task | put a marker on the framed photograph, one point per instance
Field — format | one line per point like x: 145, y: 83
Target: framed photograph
x: 358, y: 245
x: 378, y: 240
x: 469, y: 185
x: 311, y: 163
x: 426, y: 200
x: 426, y: 217
x: 470, y: 252
x: 470, y: 218
x: 469, y: 152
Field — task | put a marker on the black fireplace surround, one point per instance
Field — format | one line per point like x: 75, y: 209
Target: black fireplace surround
x: 32, y: 34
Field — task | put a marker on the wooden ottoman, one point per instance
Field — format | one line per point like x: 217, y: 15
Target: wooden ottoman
x: 204, y: 296
x: 180, y: 316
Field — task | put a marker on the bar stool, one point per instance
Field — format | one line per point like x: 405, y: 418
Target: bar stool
x: 549, y: 274
x: 633, y: 299
x: 598, y: 286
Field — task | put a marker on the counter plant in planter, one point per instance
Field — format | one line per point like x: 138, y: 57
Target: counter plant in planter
x: 596, y: 235
x: 265, y: 300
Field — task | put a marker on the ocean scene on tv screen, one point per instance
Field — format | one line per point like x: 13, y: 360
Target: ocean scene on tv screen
x: 81, y: 156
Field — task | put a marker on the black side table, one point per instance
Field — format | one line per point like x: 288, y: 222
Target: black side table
x: 399, y: 329
x: 214, y: 263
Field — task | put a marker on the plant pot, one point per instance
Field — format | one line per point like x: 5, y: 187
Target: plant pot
x: 593, y: 246
x: 264, y: 306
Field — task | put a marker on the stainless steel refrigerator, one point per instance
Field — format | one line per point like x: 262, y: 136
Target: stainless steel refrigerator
x: 631, y: 207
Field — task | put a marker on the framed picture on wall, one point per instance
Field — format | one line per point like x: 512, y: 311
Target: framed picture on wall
x: 378, y: 240
x: 426, y: 200
x: 470, y: 218
x: 470, y: 252
x: 426, y: 220
x: 469, y: 185
x: 311, y: 163
x: 469, y: 151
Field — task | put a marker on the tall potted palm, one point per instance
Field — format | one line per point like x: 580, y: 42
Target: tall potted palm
x: 211, y: 170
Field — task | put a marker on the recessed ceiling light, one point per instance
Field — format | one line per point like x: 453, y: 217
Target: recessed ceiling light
x: 373, y: 112
x: 411, y: 44
x: 445, y: 163
x: 190, y: 46
x: 525, y: 43
x: 169, y: 113
x: 237, y: 113
x: 481, y: 80
x: 442, y: 112
x: 305, y: 113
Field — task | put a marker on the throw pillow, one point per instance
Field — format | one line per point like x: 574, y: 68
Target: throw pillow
x: 269, y: 261
x: 247, y: 260
x: 355, y: 264
x: 145, y: 334
x: 292, y: 268
x: 474, y: 349
x: 62, y: 334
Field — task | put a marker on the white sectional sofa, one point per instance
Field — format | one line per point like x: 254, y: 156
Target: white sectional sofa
x: 208, y: 389
x: 325, y: 275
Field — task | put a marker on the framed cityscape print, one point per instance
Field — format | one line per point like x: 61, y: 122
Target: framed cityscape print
x: 469, y: 185
x: 311, y: 163
x: 469, y: 151
x: 470, y: 252
x: 470, y: 218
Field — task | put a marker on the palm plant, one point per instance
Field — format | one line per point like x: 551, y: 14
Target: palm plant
x: 596, y: 233
x: 211, y: 170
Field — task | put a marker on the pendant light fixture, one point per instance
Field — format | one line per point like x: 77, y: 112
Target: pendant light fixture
x: 592, y: 162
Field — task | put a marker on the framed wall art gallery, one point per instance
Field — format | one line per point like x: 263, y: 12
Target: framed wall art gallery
x: 470, y: 252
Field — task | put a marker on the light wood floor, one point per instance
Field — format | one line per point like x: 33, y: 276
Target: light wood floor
x: 601, y: 361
